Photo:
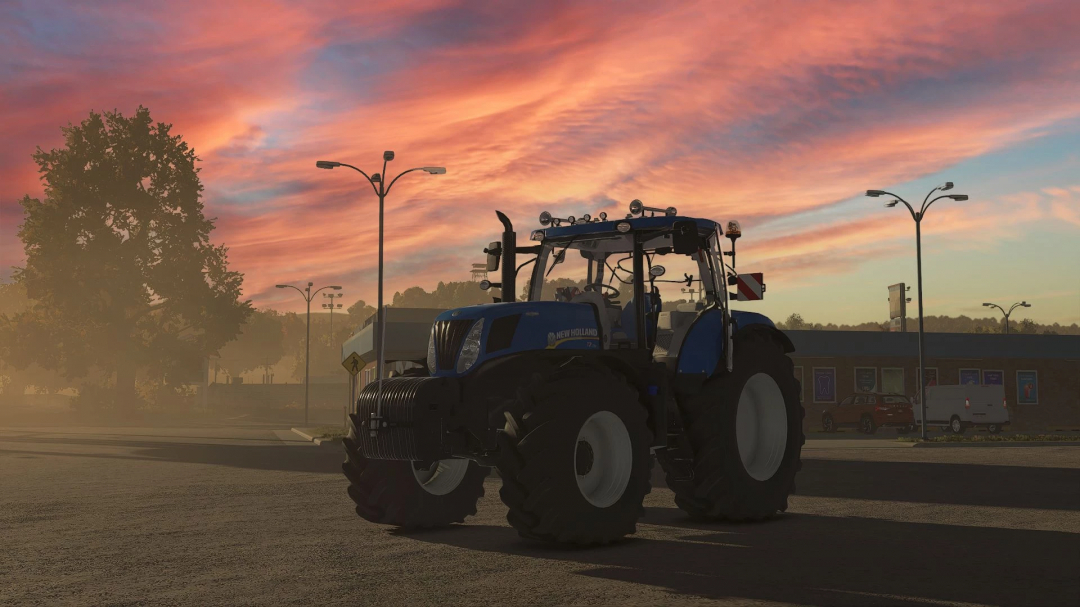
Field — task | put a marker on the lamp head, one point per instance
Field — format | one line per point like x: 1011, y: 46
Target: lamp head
x: 946, y: 186
x: 388, y: 156
x: 892, y: 203
x: 959, y: 197
x: 874, y: 193
x: 336, y: 288
x: 326, y: 164
x: 435, y: 170
x: 1025, y: 304
x: 987, y: 305
x: 281, y: 286
x: 376, y: 178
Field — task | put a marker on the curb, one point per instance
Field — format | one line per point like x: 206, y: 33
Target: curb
x: 318, y: 441
x: 1012, y: 444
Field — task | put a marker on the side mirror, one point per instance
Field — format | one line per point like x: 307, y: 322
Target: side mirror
x: 684, y: 238
x: 494, y: 254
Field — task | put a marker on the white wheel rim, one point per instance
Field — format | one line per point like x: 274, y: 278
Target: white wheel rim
x: 443, y: 477
x: 761, y: 427
x: 607, y: 473
x: 956, y: 425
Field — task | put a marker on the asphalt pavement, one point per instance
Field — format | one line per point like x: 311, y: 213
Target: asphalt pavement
x: 254, y: 514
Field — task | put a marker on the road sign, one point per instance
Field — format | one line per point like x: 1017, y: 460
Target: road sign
x: 751, y: 286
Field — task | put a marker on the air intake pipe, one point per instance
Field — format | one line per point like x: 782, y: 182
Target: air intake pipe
x: 509, y: 258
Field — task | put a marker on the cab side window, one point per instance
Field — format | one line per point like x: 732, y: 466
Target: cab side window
x: 860, y: 400
x: 871, y: 400
x: 847, y: 401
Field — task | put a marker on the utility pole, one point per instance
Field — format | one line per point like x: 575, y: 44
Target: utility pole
x: 918, y: 217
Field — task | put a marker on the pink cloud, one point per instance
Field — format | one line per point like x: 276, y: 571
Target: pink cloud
x: 748, y: 111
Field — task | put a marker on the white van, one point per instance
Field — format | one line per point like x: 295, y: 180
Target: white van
x: 960, y: 407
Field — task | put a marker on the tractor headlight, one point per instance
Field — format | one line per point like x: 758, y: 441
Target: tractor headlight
x: 470, y: 348
x: 431, y: 353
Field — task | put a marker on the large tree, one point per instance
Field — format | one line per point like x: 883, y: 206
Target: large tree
x: 261, y: 343
x: 119, y: 260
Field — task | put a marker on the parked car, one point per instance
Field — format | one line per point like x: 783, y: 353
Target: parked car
x: 957, y: 408
x: 869, y: 411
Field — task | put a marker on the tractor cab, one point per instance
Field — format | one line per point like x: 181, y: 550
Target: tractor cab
x: 613, y: 265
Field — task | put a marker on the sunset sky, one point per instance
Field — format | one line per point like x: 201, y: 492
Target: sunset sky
x: 778, y: 114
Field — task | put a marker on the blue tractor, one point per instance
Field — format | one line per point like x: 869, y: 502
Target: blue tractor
x: 570, y: 391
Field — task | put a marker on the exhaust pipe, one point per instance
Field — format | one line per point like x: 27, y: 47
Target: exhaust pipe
x: 509, y: 258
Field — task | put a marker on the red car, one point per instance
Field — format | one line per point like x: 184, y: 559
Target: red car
x: 870, y: 411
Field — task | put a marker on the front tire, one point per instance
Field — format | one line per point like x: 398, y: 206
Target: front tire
x: 867, y: 425
x: 994, y: 428
x: 574, y: 457
x: 408, y: 494
x: 828, y: 424
x: 746, y: 437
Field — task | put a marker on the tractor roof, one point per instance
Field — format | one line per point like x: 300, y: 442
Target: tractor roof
x: 664, y: 222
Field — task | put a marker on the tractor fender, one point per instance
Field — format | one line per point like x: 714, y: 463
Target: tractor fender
x: 702, y: 351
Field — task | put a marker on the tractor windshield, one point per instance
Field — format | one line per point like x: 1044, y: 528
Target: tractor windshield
x: 568, y: 268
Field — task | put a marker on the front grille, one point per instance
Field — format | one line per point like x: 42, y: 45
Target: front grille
x: 412, y: 411
x: 448, y: 337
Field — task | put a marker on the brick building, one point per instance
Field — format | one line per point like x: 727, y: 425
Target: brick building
x: 1040, y: 373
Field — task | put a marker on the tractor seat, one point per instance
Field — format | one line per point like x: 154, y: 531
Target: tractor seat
x: 627, y: 330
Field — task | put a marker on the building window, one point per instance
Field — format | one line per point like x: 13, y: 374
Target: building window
x: 931, y: 376
x: 1027, y: 387
x: 970, y: 377
x: 892, y: 380
x: 866, y: 379
x: 824, y: 384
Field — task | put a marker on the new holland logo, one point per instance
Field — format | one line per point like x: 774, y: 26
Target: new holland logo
x: 556, y: 337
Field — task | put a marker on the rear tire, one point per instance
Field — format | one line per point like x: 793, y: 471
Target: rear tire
x: 725, y: 484
x: 994, y: 428
x: 574, y: 457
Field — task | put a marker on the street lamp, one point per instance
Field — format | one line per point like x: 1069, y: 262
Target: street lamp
x: 918, y: 217
x: 331, y: 307
x: 1022, y: 304
x: 381, y: 190
x: 307, y: 295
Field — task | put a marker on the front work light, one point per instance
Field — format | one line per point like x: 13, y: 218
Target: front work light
x: 431, y: 353
x: 623, y: 227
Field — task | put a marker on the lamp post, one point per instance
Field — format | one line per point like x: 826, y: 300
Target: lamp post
x: 378, y: 183
x: 918, y: 217
x: 1020, y: 304
x: 331, y: 307
x: 307, y: 295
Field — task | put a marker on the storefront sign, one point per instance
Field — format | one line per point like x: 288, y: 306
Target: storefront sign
x: 866, y: 379
x: 969, y: 377
x: 1027, y: 387
x: 993, y: 378
x: 824, y: 385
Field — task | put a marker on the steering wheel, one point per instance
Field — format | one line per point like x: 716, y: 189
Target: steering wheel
x: 614, y: 293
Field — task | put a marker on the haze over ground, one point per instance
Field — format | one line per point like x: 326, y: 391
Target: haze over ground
x: 777, y: 115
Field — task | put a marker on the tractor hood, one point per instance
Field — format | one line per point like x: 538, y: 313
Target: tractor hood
x: 509, y: 328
